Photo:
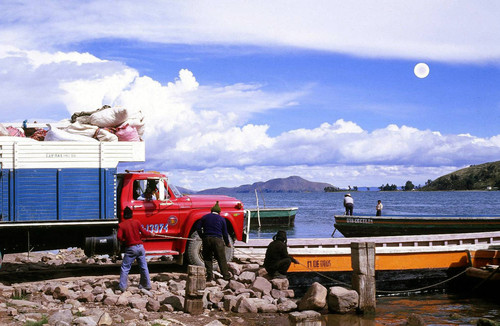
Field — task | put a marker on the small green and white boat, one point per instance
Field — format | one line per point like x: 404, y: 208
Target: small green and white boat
x: 277, y: 216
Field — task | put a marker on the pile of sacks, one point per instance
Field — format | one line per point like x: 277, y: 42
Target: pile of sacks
x: 105, y: 124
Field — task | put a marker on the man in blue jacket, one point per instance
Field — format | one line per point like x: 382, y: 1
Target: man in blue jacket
x: 213, y: 231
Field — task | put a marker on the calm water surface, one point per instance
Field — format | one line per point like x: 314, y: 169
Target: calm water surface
x: 315, y: 220
x: 316, y: 210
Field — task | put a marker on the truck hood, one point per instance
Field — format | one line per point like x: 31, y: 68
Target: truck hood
x: 209, y: 200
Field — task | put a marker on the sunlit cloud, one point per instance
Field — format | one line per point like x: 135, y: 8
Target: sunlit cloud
x: 187, y: 133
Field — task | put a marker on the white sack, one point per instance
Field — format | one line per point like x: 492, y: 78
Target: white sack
x: 78, y: 128
x: 91, y: 131
x: 109, y: 117
x: 3, y: 131
x: 55, y: 134
x: 106, y: 135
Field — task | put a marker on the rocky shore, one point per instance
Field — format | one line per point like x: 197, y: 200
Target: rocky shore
x: 249, y: 298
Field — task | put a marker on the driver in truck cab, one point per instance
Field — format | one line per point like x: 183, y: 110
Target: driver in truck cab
x: 151, y: 192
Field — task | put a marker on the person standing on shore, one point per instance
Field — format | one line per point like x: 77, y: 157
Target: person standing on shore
x: 379, y: 208
x: 213, y: 231
x: 277, y: 260
x: 129, y: 233
x: 348, y: 204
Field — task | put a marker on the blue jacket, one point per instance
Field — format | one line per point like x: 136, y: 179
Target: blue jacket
x: 213, y: 225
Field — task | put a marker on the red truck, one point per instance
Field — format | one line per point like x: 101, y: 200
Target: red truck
x: 162, y: 209
x: 59, y: 194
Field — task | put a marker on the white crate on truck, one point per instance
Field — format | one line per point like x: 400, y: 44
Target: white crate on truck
x: 25, y: 153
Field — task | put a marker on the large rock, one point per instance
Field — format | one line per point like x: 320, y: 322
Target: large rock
x: 314, y: 299
x: 138, y: 303
x: 84, y: 321
x: 175, y: 301
x: 308, y: 317
x: 247, y: 277
x: 235, y: 285
x: 262, y: 285
x: 234, y: 268
x: 245, y: 305
x: 342, y: 300
x: 286, y: 305
x: 280, y: 283
x: 105, y: 319
x: 61, y: 315
x: 250, y: 267
x: 62, y: 293
x: 230, y: 302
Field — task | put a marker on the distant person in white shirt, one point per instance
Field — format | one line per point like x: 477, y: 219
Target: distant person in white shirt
x: 348, y: 204
x: 379, y: 208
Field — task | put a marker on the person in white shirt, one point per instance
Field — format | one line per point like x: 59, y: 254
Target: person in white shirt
x: 379, y: 208
x: 348, y: 204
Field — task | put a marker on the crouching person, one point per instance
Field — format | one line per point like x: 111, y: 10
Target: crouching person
x: 277, y: 259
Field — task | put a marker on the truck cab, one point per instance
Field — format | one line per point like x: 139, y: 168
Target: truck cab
x: 164, y: 210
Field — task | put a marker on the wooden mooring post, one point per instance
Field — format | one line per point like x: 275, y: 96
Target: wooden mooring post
x: 363, y: 275
x: 195, y: 286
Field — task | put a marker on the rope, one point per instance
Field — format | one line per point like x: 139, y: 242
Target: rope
x: 172, y: 237
x: 425, y: 287
x: 327, y: 277
x: 378, y: 291
x: 335, y: 280
x: 487, y: 279
x: 320, y: 274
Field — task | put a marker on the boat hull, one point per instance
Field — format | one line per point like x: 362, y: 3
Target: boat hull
x: 366, y: 226
x: 273, y: 216
x: 402, y: 263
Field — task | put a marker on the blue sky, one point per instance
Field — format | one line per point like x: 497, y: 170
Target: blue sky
x: 236, y: 92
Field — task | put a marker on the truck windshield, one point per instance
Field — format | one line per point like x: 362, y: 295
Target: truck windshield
x: 176, y: 191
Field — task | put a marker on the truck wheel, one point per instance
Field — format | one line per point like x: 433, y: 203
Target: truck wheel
x: 194, y: 247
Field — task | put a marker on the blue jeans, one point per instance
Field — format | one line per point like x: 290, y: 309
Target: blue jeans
x: 130, y: 255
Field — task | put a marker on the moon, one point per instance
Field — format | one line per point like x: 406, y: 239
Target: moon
x: 421, y: 70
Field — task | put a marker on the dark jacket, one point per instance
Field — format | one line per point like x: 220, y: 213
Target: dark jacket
x: 213, y: 225
x: 277, y: 250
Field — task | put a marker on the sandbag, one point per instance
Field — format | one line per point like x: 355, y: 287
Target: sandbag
x: 78, y: 128
x: 109, y: 117
x: 55, y: 134
x: 127, y: 133
x: 85, y: 115
x: 3, y: 131
x: 39, y: 134
x: 15, y: 132
x: 137, y: 121
x: 103, y: 134
x: 91, y: 131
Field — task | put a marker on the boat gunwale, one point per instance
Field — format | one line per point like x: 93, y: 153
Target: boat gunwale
x: 273, y: 209
x: 492, y: 237
x: 416, y: 218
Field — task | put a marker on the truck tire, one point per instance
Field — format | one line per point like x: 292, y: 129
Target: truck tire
x: 194, y: 247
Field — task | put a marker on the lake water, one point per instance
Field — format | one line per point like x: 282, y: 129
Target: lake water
x: 315, y: 219
x: 316, y: 210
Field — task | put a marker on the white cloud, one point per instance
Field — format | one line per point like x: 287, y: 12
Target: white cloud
x: 337, y: 175
x: 416, y: 29
x: 187, y: 132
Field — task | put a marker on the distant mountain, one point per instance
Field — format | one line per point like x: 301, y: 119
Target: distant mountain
x: 185, y: 191
x: 484, y: 176
x: 290, y: 184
